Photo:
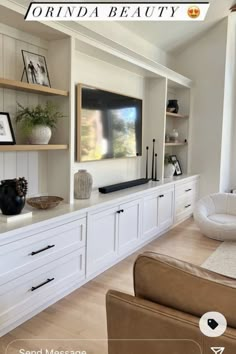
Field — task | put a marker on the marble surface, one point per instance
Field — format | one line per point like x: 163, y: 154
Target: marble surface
x: 80, y: 207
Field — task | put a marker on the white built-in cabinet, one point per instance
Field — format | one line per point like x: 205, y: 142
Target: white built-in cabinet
x: 157, y: 212
x: 112, y: 232
x: 42, y: 262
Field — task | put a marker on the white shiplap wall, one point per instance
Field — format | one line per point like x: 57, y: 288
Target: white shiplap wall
x: 19, y: 164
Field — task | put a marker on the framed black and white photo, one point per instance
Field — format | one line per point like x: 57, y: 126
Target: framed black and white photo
x: 35, y: 68
x: 178, y: 170
x: 7, y: 136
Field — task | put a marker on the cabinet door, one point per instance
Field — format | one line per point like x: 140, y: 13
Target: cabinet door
x: 165, y: 209
x: 101, y: 240
x: 129, y: 225
x: 150, y: 216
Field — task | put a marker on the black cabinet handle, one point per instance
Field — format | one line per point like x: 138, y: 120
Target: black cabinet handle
x: 42, y: 250
x: 120, y: 211
x: 161, y: 196
x: 188, y: 190
x: 187, y: 206
x: 40, y: 285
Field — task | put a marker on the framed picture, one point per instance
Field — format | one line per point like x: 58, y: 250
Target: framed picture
x: 7, y: 136
x: 35, y: 68
x: 178, y: 170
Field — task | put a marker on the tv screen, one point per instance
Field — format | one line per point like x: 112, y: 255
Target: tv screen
x: 109, y: 125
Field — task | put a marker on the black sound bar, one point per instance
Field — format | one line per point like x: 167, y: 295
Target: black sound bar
x: 119, y: 186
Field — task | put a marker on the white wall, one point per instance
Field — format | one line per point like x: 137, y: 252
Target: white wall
x: 19, y: 164
x: 204, y: 62
x: 228, y: 164
x: 103, y: 75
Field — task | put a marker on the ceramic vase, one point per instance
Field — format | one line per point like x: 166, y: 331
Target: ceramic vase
x: 40, y: 135
x: 12, y: 196
x: 173, y: 106
x: 174, y: 135
x: 169, y: 170
x: 83, y: 182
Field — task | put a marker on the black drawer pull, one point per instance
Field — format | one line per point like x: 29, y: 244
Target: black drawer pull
x: 40, y: 285
x: 188, y: 190
x: 161, y: 196
x: 187, y: 206
x: 120, y: 211
x: 42, y: 250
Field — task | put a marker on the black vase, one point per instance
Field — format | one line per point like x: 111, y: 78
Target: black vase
x: 11, y: 203
x: 173, y: 106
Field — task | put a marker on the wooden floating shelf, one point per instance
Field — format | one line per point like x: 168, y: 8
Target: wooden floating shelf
x: 33, y: 147
x: 176, y: 144
x: 175, y: 115
x: 32, y: 88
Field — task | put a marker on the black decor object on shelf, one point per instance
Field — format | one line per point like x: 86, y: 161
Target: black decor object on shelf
x: 123, y: 185
x: 12, y: 195
x: 173, y: 106
x: 155, y: 176
x: 147, y: 148
x: 153, y: 153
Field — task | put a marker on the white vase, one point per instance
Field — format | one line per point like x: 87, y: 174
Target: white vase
x: 40, y: 135
x: 169, y: 170
x: 174, y: 135
x: 83, y: 182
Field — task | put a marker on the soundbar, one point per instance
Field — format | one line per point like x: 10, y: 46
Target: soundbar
x: 123, y: 185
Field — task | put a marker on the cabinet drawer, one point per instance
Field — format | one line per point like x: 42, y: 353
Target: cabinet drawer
x: 34, y: 251
x: 24, y: 294
x: 184, y: 206
x: 189, y: 188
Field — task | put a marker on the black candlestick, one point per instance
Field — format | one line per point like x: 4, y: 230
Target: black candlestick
x: 147, y: 162
x: 153, y: 152
x: 155, y: 178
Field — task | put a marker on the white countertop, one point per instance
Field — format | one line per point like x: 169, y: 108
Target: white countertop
x: 80, y: 207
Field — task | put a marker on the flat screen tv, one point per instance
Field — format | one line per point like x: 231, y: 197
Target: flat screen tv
x: 109, y: 125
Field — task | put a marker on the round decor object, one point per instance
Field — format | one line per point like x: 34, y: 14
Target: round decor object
x: 169, y: 170
x: 12, y: 195
x: 83, y: 184
x: 173, y: 106
x: 44, y: 202
x: 40, y: 135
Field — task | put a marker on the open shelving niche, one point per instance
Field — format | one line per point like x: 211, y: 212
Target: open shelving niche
x: 161, y: 84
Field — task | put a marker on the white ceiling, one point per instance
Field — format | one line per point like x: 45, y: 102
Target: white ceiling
x: 169, y: 36
x: 172, y: 36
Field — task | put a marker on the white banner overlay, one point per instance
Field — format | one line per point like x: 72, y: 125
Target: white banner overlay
x: 151, y: 11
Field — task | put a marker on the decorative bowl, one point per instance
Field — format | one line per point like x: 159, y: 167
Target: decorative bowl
x: 44, y: 202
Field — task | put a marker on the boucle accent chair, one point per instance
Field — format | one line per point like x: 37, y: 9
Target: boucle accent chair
x: 215, y: 215
x: 163, y: 315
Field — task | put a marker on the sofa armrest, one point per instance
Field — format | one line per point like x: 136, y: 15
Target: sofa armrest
x: 137, y: 326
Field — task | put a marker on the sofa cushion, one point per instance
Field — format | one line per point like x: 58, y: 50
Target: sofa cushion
x: 184, y: 286
x: 223, y: 218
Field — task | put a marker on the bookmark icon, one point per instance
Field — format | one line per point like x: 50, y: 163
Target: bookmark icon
x: 218, y: 350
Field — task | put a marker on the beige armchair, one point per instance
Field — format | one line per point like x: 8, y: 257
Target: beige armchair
x: 163, y: 315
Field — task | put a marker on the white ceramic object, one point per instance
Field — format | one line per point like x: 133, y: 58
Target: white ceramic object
x: 83, y: 184
x: 169, y: 170
x: 174, y: 135
x: 40, y: 135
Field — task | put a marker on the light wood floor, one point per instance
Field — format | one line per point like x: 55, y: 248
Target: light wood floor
x: 82, y: 315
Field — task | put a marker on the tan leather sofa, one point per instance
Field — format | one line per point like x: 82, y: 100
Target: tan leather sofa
x: 163, y: 316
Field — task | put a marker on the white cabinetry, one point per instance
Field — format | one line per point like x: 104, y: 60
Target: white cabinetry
x: 102, y: 239
x: 112, y: 232
x: 186, y: 195
x: 129, y: 225
x: 157, y: 212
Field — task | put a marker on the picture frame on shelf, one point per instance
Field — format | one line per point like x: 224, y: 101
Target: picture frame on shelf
x: 7, y: 136
x: 178, y: 169
x: 35, y: 69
